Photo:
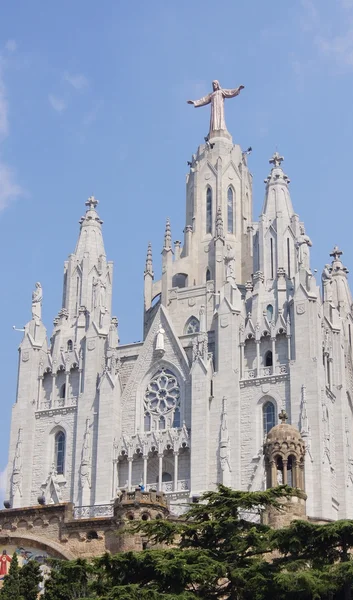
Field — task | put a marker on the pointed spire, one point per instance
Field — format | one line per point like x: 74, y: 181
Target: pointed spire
x: 90, y: 239
x: 149, y: 263
x: 167, y: 236
x: 219, y: 224
x: 337, y: 266
x: 277, y: 173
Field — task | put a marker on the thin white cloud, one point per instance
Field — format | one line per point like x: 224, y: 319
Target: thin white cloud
x: 11, y: 45
x: 57, y: 103
x: 332, y: 38
x: 9, y: 188
x: 3, y: 480
x: 79, y: 81
x: 4, y: 122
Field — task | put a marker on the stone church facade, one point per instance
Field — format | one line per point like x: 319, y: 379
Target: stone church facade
x: 236, y: 330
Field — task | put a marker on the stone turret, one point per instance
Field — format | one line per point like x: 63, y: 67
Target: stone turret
x: 284, y: 451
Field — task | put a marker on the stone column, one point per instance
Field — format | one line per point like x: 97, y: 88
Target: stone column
x: 273, y: 473
x: 67, y: 379
x: 52, y: 403
x: 273, y: 347
x: 176, y: 470
x: 145, y: 459
x: 288, y: 349
x: 129, y: 462
x: 160, y: 471
x: 257, y: 342
x: 40, y: 386
x: 285, y: 474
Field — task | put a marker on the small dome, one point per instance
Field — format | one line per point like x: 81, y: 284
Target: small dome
x: 283, y: 431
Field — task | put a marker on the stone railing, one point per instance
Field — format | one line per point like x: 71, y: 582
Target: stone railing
x: 266, y: 372
x: 168, y: 486
x: 89, y: 512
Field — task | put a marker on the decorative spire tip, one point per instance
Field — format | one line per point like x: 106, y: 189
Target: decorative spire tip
x: 276, y: 160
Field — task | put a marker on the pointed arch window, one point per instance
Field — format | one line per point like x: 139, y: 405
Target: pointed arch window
x: 69, y: 346
x: 60, y: 443
x: 268, y: 417
x: 209, y: 210
x: 192, y: 326
x: 230, y: 210
x: 269, y: 312
x: 268, y: 359
x: 208, y: 275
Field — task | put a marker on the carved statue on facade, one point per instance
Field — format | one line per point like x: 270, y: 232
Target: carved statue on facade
x: 326, y: 278
x: 37, y: 297
x: 85, y: 468
x: 229, y: 260
x: 99, y: 293
x: 16, y: 481
x: 160, y: 340
x: 216, y: 99
x: 303, y: 244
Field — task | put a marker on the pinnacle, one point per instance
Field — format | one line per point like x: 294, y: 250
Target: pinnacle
x: 167, y: 235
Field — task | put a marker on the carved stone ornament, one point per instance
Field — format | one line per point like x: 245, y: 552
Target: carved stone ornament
x: 91, y: 344
x: 191, y: 302
x: 224, y: 321
x: 300, y: 308
x: 25, y: 355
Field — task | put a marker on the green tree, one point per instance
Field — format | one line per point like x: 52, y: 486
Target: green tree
x: 30, y: 578
x: 69, y: 580
x: 11, y: 586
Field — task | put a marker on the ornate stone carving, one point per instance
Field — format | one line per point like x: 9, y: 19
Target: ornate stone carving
x: 303, y: 243
x: 229, y: 260
x: 16, y: 479
x: 224, y: 446
x: 160, y: 349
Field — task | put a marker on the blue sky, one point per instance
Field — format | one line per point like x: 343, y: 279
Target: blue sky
x: 93, y: 101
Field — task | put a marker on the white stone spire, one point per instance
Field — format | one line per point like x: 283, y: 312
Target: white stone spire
x: 90, y: 239
x: 277, y: 198
x: 149, y: 263
x: 341, y: 294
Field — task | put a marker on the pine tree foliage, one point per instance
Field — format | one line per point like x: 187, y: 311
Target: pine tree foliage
x: 218, y: 553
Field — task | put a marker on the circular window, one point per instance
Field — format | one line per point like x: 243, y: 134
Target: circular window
x: 163, y: 393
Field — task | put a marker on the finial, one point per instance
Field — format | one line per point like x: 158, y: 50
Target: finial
x: 276, y: 159
x: 283, y: 416
x: 167, y: 235
x: 149, y: 264
x: 336, y: 253
x: 219, y: 223
x: 91, y: 203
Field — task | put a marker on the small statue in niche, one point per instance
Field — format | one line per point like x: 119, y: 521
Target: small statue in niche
x: 229, y: 259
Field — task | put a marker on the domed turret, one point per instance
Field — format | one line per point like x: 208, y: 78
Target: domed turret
x: 284, y: 451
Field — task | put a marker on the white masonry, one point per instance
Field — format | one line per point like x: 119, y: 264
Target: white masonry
x: 235, y: 330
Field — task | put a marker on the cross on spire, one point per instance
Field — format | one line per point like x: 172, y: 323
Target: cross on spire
x: 283, y: 416
x: 91, y: 203
x: 336, y: 253
x: 276, y: 159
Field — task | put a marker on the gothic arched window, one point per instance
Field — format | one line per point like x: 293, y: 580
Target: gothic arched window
x: 230, y: 210
x: 268, y: 417
x: 192, y: 326
x: 269, y: 312
x: 60, y: 452
x: 62, y: 391
x: 268, y: 359
x: 208, y: 275
x: 290, y: 471
x: 209, y: 210
x: 69, y: 346
x: 162, y: 401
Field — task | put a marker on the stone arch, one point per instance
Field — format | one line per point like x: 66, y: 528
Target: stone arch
x: 52, y: 548
x: 268, y: 396
x: 192, y: 325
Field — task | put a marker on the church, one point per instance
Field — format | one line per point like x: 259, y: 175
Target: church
x: 238, y: 334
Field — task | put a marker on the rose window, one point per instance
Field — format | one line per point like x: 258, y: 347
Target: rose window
x: 162, y: 401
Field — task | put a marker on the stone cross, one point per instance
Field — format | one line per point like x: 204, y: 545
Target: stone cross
x: 336, y: 253
x: 91, y: 203
x: 276, y: 160
x: 283, y: 416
